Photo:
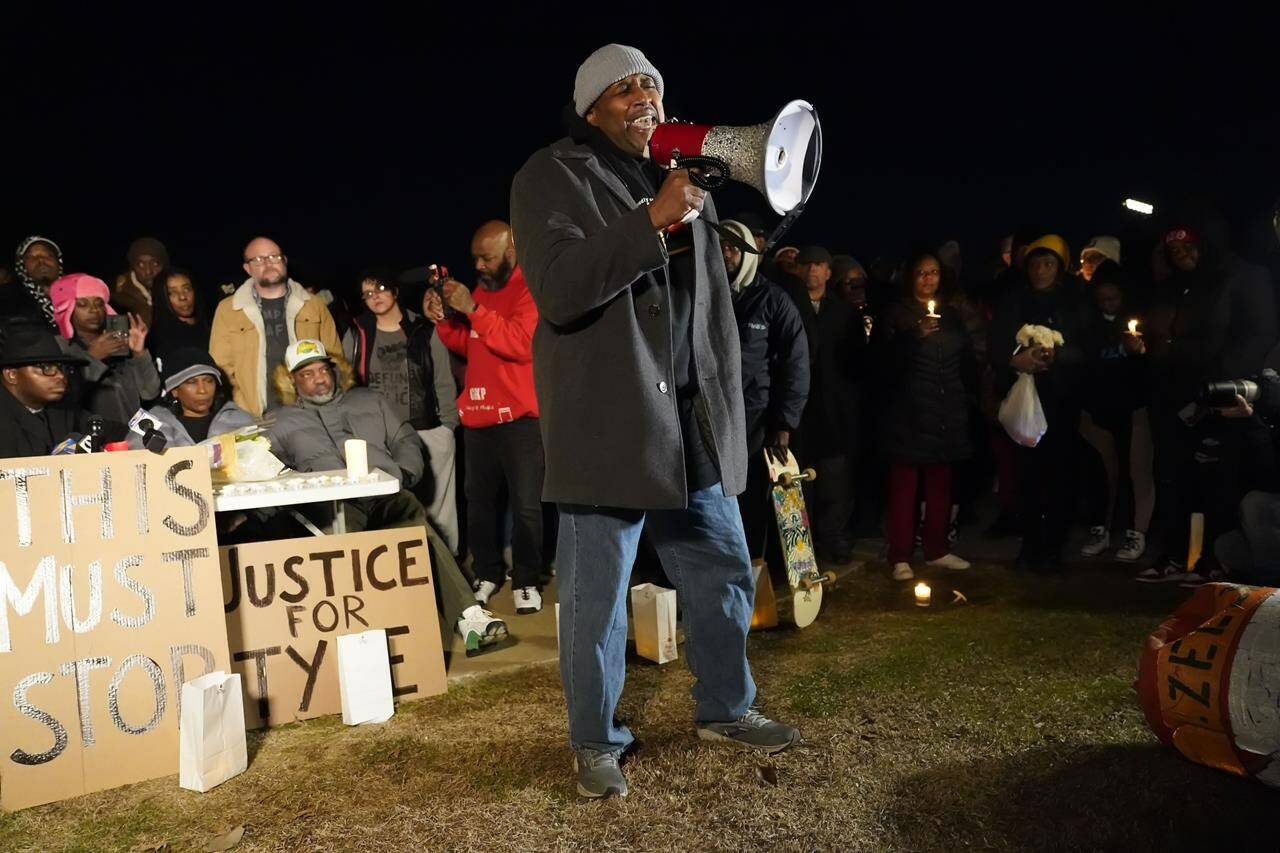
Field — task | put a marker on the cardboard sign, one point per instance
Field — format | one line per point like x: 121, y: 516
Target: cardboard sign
x: 288, y: 601
x: 109, y: 600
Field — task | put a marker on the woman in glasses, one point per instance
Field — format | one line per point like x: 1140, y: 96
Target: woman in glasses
x: 397, y: 353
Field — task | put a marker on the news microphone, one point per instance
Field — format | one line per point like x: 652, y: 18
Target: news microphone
x: 152, y: 438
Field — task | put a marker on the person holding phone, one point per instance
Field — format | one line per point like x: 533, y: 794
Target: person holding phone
x: 120, y: 375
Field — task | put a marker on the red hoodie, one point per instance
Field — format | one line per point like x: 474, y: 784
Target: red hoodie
x: 498, y: 347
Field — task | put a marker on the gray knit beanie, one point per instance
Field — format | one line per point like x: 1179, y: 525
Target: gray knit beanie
x: 605, y: 67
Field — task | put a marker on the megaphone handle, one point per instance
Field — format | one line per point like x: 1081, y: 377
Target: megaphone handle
x: 783, y: 226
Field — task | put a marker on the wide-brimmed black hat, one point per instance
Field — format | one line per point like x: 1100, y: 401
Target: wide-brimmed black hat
x: 27, y: 343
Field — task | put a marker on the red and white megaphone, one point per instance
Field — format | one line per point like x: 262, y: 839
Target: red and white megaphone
x: 780, y: 157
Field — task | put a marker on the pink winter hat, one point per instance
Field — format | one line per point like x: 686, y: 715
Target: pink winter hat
x: 64, y: 292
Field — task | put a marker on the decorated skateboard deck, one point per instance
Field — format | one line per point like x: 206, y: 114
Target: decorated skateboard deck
x: 803, y: 577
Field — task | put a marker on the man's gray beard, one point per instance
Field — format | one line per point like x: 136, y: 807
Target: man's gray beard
x: 319, y: 400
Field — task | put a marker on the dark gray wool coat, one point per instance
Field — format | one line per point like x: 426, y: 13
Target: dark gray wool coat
x: 602, y: 352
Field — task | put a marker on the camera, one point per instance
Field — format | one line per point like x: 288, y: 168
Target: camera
x: 1222, y: 394
x: 437, y: 274
x: 1262, y: 392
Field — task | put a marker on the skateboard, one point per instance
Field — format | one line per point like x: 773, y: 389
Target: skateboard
x: 803, y: 578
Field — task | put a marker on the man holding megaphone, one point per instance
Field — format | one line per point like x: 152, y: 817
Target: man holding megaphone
x: 637, y: 371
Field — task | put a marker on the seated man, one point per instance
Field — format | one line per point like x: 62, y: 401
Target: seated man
x: 317, y: 416
x: 33, y: 375
x: 196, y: 404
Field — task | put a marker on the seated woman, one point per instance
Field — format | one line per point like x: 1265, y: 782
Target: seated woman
x: 195, y: 404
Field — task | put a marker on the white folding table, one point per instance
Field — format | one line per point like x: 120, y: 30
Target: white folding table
x: 296, y: 487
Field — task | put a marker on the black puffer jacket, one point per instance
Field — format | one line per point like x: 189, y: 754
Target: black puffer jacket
x: 927, y: 382
x: 775, y: 360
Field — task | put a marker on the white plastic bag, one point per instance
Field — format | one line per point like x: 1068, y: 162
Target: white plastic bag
x: 1021, y: 414
x: 364, y: 678
x: 212, y: 746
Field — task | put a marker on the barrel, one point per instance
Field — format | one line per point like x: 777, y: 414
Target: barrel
x: 1209, y: 680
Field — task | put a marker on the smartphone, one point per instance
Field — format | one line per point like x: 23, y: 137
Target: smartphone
x: 118, y: 325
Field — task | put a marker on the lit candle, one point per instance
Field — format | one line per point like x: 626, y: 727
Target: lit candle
x: 932, y: 305
x: 923, y: 594
x: 1133, y: 327
x: 357, y: 453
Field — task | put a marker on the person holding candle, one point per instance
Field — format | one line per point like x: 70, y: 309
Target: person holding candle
x: 1115, y: 419
x: 926, y: 429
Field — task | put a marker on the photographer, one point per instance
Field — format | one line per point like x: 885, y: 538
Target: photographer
x: 1251, y: 554
x: 120, y: 375
x: 1224, y: 324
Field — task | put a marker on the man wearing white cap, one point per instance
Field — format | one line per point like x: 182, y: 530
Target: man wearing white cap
x: 1099, y: 249
x: 310, y: 435
x: 640, y: 403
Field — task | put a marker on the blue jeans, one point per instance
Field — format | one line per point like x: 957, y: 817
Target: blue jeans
x: 704, y: 553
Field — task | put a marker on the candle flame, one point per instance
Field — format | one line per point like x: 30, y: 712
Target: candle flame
x: 1133, y: 327
x: 931, y: 305
x: 922, y: 590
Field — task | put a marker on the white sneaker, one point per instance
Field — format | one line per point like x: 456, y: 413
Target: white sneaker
x: 902, y: 572
x: 954, y: 562
x: 1135, y: 544
x: 1099, y: 541
x: 480, y: 628
x: 528, y: 599
x: 485, y: 591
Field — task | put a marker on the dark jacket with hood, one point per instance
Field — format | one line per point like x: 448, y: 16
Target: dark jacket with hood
x: 1224, y: 318
x: 927, y: 421
x: 775, y: 360
x: 603, y: 352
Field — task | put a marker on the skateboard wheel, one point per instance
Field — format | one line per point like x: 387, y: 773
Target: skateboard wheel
x: 809, y: 474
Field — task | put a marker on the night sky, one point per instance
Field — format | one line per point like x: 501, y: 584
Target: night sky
x: 388, y: 140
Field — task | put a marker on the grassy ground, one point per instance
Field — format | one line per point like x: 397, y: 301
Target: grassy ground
x: 1005, y: 723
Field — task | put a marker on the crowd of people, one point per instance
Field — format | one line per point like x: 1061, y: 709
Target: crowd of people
x: 604, y: 401
x: 887, y: 382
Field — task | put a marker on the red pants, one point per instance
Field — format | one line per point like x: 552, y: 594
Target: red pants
x: 903, y: 483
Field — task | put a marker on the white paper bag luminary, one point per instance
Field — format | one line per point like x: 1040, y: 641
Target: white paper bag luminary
x: 212, y: 746
x: 364, y: 678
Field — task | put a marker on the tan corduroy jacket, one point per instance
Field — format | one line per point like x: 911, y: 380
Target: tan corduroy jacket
x: 239, y: 342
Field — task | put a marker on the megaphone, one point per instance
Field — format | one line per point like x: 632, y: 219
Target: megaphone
x: 780, y: 157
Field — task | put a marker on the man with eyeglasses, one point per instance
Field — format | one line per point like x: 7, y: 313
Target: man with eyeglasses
x: 34, y: 376
x: 397, y: 353
x: 254, y: 326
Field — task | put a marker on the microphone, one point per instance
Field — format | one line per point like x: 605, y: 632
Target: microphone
x: 152, y: 438
x: 144, y: 425
x: 92, y: 443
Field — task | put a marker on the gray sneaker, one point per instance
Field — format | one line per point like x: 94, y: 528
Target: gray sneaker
x: 599, y: 775
x: 753, y: 730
